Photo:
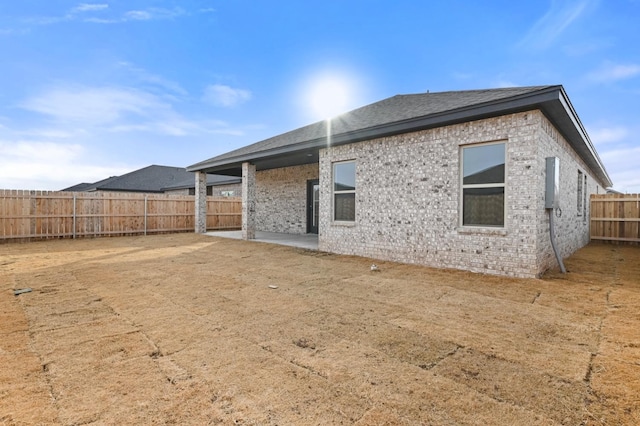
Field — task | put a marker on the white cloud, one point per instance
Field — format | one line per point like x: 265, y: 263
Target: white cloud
x: 39, y: 150
x: 94, y: 105
x: 94, y: 20
x: 557, y: 19
x: 226, y: 96
x: 152, y: 14
x: 626, y: 181
x: 153, y: 79
x: 137, y: 15
x: 612, y: 72
x: 13, y: 31
x: 82, y: 12
x: 52, y: 133
x: 72, y: 133
x: 74, y: 110
x: 607, y: 135
x: 622, y: 167
x: 89, y: 7
x: 48, y: 166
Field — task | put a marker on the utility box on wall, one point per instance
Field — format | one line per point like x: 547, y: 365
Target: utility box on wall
x: 552, y: 187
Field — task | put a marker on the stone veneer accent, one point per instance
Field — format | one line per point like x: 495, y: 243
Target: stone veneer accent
x: 281, y: 198
x: 408, y: 199
x: 248, y: 201
x: 201, y: 203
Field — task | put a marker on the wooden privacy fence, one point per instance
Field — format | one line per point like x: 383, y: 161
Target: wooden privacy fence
x: 615, y: 218
x: 46, y: 214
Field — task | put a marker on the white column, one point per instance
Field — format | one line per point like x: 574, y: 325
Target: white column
x: 201, y: 203
x: 248, y: 201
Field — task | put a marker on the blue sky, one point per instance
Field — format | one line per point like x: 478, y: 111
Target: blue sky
x: 94, y: 89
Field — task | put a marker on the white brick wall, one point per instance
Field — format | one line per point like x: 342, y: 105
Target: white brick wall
x: 281, y: 199
x: 572, y: 229
x: 408, y: 196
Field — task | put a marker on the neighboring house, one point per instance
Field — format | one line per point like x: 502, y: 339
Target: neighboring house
x: 218, y: 186
x: 451, y: 180
x: 161, y: 179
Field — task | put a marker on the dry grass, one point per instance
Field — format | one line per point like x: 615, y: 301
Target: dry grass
x: 184, y: 329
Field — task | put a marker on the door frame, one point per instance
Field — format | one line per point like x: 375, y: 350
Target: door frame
x: 310, y: 184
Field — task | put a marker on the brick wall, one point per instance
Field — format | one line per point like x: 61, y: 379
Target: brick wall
x: 408, y: 195
x: 281, y: 199
x: 571, y: 226
x: 217, y: 190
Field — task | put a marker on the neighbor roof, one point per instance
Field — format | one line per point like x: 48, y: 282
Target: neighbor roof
x: 148, y: 179
x: 408, y: 113
x: 152, y: 178
x: 89, y: 187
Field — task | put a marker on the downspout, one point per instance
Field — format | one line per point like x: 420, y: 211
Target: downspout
x: 552, y: 202
x: 553, y: 242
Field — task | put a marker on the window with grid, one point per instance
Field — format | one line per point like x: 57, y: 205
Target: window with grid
x: 580, y: 191
x: 483, y: 184
x: 344, y: 191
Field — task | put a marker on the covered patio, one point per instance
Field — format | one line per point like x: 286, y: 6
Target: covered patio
x: 305, y: 241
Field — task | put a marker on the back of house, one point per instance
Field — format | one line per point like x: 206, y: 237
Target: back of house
x: 450, y: 180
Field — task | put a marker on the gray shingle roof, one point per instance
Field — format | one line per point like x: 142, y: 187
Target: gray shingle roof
x: 393, y: 110
x: 78, y: 187
x: 88, y: 187
x: 148, y: 179
x: 408, y: 113
x: 152, y: 178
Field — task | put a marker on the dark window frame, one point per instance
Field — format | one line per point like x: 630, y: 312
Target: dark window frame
x: 580, y: 193
x: 337, y: 194
x: 481, y: 191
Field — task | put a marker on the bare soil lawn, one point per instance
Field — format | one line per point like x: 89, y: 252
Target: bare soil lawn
x: 185, y: 329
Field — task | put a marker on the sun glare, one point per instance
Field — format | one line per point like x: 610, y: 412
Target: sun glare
x: 329, y: 96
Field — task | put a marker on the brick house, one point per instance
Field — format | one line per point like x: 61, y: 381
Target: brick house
x: 451, y: 179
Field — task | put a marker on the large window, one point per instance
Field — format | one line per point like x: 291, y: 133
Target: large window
x: 584, y: 202
x: 344, y: 191
x: 483, y: 183
x: 580, y: 194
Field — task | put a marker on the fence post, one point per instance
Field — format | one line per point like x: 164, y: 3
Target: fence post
x: 74, y: 215
x: 145, y: 214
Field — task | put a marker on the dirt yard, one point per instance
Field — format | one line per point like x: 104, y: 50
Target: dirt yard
x: 186, y: 329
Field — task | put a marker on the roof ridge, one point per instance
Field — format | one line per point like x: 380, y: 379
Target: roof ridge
x: 488, y: 89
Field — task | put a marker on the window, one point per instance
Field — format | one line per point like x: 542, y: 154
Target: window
x: 192, y: 191
x: 483, y: 184
x: 344, y: 191
x: 580, y: 191
x: 584, y: 201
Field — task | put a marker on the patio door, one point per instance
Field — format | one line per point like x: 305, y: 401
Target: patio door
x: 313, y: 204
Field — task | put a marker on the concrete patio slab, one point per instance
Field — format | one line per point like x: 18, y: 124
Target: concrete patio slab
x: 306, y: 241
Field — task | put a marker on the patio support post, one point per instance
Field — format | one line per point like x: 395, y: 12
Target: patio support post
x: 201, y: 202
x: 248, y: 201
